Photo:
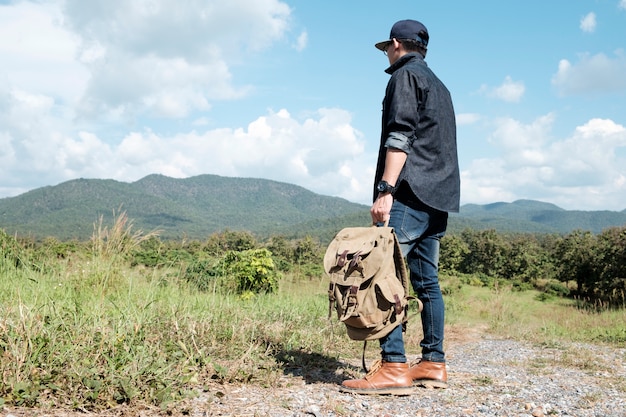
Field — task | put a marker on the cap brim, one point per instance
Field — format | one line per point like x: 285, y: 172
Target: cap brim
x: 381, y: 45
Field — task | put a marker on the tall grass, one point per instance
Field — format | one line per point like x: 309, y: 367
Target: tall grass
x: 529, y: 315
x: 89, y: 331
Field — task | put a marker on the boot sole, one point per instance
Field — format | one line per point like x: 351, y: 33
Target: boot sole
x: 430, y: 383
x: 399, y: 391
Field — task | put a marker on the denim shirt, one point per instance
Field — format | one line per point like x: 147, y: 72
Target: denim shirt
x: 418, y: 119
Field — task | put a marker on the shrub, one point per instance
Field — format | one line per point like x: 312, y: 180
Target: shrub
x: 203, y: 274
x: 556, y: 288
x: 148, y: 253
x: 252, y: 270
x: 520, y: 286
x: 486, y: 253
x: 544, y: 296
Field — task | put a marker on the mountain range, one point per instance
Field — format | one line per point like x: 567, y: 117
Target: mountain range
x: 198, y: 206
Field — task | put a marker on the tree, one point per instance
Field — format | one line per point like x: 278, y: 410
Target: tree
x: 611, y: 285
x: 308, y: 257
x: 228, y: 240
x: 307, y: 251
x: 525, y: 260
x: 453, y: 252
x: 487, y: 253
x: 576, y: 261
x: 282, y: 252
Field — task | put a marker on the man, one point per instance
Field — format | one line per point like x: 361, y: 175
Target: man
x: 416, y: 185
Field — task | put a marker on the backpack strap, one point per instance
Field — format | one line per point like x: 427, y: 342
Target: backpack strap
x: 351, y: 299
x: 331, y: 298
x: 363, y: 357
x: 341, y: 259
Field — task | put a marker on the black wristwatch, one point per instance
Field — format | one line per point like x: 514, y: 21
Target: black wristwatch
x: 384, y: 187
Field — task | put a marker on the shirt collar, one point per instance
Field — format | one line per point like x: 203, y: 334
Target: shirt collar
x: 403, y: 60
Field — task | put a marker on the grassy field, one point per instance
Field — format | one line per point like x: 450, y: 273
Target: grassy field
x: 91, y: 332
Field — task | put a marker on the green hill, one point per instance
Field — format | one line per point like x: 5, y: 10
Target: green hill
x: 199, y: 206
x: 536, y: 217
x: 193, y: 207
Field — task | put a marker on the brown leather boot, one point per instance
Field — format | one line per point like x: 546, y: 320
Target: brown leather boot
x: 384, y: 378
x: 429, y: 374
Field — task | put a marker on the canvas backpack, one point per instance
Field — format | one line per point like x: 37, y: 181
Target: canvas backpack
x: 369, y: 285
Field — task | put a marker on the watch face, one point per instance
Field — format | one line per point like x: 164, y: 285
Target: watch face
x: 382, y: 186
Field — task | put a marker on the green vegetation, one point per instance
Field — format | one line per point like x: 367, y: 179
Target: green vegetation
x: 179, y: 208
x: 193, y: 208
x: 590, y: 268
x: 128, y: 318
x: 528, y: 216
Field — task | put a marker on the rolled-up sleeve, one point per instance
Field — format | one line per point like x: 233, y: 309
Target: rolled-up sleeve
x: 397, y: 140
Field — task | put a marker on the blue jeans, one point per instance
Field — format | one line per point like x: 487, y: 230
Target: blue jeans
x: 419, y: 229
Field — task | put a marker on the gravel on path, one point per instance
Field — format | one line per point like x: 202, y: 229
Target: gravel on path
x: 487, y: 377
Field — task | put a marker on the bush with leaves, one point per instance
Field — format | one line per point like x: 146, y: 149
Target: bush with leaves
x: 156, y: 253
x: 252, y: 270
x: 596, y: 263
x: 205, y: 274
x: 149, y: 253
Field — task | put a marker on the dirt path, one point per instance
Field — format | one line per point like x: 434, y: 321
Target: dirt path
x: 487, y: 377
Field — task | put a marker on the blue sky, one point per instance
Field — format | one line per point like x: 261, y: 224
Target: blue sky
x: 292, y: 91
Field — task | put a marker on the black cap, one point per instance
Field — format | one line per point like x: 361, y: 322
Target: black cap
x: 406, y: 29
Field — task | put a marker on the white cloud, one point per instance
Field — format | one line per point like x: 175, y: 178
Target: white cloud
x: 509, y: 91
x: 121, y: 60
x: 302, y: 41
x: 169, y: 88
x: 32, y: 38
x: 582, y: 171
x: 29, y: 133
x: 591, y: 74
x: 622, y: 4
x: 588, y: 23
x: 522, y: 144
x: 194, y: 29
x: 323, y: 152
x: 164, y: 58
x: 117, y: 70
x: 467, y: 118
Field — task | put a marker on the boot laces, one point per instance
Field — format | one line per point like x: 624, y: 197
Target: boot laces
x: 415, y: 362
x: 376, y: 366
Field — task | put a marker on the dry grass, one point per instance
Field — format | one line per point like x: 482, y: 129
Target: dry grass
x: 522, y: 315
x: 91, y: 332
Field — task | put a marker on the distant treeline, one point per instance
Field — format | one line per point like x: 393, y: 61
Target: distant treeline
x: 581, y: 265
x: 586, y: 266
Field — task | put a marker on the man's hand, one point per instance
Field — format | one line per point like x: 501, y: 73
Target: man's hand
x: 394, y: 161
x: 381, y: 208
